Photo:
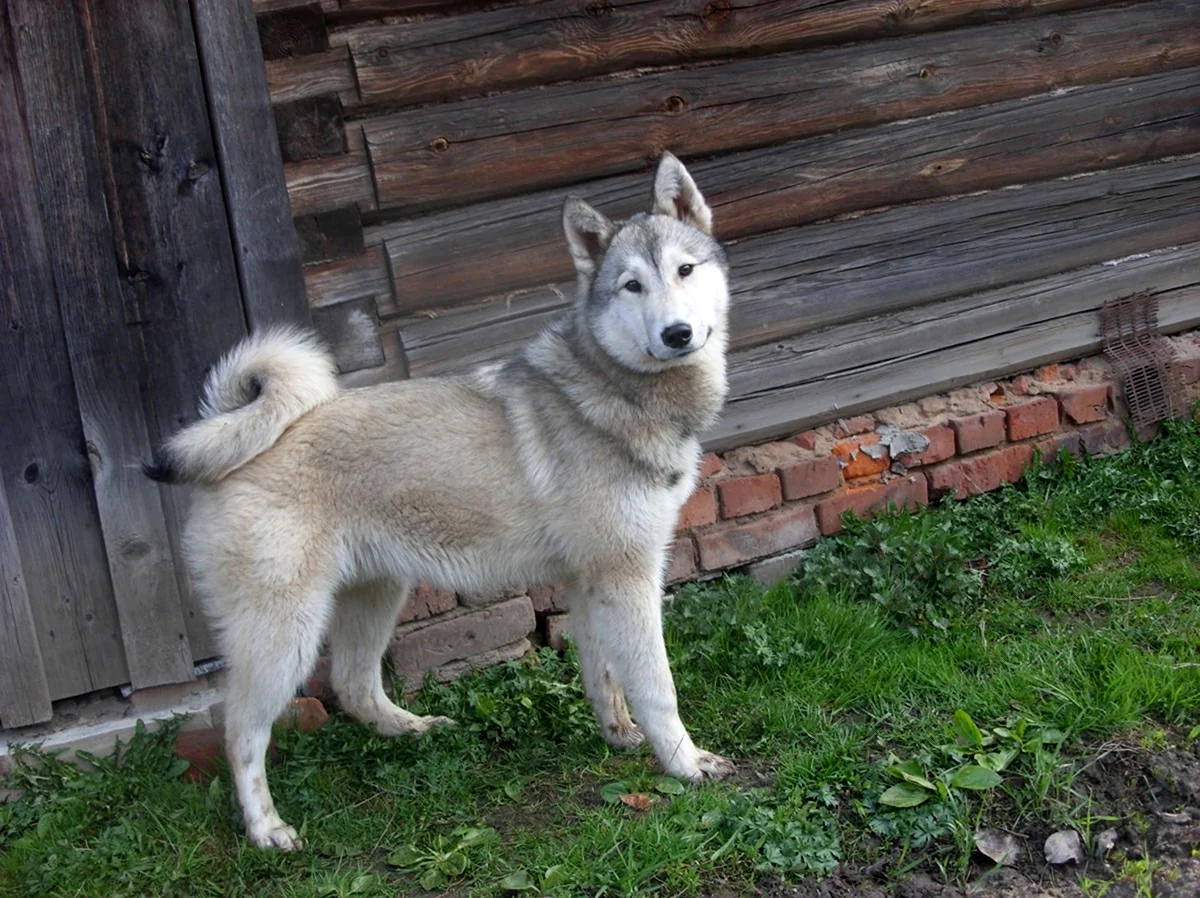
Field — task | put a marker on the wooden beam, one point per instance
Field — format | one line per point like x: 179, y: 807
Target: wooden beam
x: 464, y: 254
x: 454, y: 153
x: 292, y: 30
x: 256, y: 201
x: 445, y: 57
x: 351, y: 329
x: 799, y: 279
x: 866, y: 365
x: 351, y: 277
x: 319, y: 74
x: 332, y: 182
x: 95, y: 310
x: 56, y: 549
x: 331, y: 235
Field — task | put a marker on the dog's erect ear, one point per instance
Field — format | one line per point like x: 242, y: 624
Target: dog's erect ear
x: 676, y: 194
x: 588, y: 234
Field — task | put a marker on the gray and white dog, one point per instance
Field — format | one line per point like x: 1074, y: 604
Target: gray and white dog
x: 317, y: 508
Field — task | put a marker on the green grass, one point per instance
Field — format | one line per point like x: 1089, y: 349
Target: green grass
x: 1070, y: 602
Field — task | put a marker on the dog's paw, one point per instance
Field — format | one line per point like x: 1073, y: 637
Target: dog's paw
x: 713, y: 766
x: 425, y: 724
x: 704, y: 766
x: 624, y: 738
x: 274, y: 834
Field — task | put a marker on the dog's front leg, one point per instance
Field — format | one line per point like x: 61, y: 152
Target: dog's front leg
x: 601, y: 683
x: 626, y: 616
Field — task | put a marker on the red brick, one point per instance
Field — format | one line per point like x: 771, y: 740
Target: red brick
x: 904, y: 492
x: 855, y: 462
x: 547, y: 598
x: 940, y: 448
x: 460, y: 635
x: 856, y: 499
x: 1033, y: 418
x: 968, y: 477
x: 699, y: 510
x: 910, y: 491
x: 557, y: 628
x: 1105, y: 438
x: 710, y: 464
x: 202, y: 749
x: 851, y: 427
x: 426, y: 601
x: 1022, y: 385
x: 806, y: 440
x: 1048, y: 373
x: 808, y: 478
x: 1015, y: 460
x: 318, y: 685
x: 738, y: 542
x: 1083, y: 405
x: 681, y: 560
x: 748, y: 495
x: 1072, y: 441
x: 980, y: 473
x: 304, y: 714
x: 976, y: 432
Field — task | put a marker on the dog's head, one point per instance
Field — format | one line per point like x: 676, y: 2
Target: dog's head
x: 654, y: 289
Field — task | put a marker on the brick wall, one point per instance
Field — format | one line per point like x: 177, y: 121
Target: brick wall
x: 755, y: 506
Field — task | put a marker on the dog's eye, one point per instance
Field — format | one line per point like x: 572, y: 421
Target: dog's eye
x: 633, y: 286
x: 685, y: 270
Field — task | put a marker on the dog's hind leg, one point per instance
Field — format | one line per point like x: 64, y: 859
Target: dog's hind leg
x: 601, y: 684
x: 626, y: 615
x: 363, y: 622
x: 271, y: 641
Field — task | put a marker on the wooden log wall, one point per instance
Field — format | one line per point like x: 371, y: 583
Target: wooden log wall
x: 915, y: 194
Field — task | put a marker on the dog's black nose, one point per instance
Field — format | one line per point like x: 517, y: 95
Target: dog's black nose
x: 677, y: 336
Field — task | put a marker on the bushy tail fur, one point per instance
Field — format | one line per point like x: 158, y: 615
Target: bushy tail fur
x: 259, y: 389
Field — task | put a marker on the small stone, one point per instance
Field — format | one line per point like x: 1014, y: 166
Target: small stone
x: 1105, y: 842
x: 1064, y: 847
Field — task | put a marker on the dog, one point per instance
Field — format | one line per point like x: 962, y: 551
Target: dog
x: 317, y: 508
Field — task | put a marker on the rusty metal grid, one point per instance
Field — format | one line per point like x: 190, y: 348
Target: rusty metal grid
x: 1129, y: 326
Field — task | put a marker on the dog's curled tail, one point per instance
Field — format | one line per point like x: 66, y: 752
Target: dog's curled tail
x: 251, y: 396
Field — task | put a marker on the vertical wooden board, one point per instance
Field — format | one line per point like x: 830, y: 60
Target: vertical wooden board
x: 173, y: 230
x: 58, y: 547
x: 105, y: 357
x: 24, y: 693
x: 260, y: 216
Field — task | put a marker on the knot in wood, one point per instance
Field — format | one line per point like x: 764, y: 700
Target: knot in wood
x: 32, y: 472
x: 901, y: 11
x: 676, y: 104
x: 717, y: 11
x: 598, y: 10
x: 381, y: 55
x: 1056, y: 39
x: 925, y: 72
x: 196, y: 171
x: 439, y: 144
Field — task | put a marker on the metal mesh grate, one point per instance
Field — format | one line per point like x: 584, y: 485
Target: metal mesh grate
x: 1141, y: 356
